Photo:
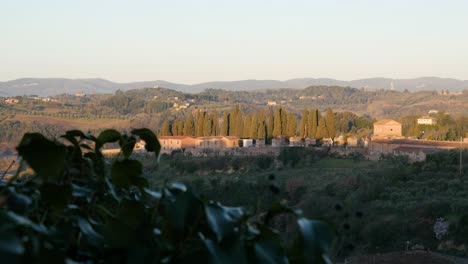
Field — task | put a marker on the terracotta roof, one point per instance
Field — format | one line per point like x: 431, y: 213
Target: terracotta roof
x: 422, y: 142
x: 173, y: 137
x: 387, y: 122
x: 232, y: 137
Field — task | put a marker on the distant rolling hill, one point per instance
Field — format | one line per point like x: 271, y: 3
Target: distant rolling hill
x: 54, y: 86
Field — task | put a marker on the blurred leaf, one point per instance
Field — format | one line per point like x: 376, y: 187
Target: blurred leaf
x: 151, y: 141
x: 88, y: 231
x: 316, y: 239
x: 118, y: 235
x: 79, y: 191
x: 268, y: 247
x: 10, y: 218
x: 10, y: 243
x: 56, y: 196
x: 98, y: 162
x: 127, y: 144
x: 222, y: 254
x: 153, y: 194
x: 108, y: 136
x: 181, y: 211
x: 18, y: 203
x: 223, y: 221
x: 279, y: 209
x: 75, y: 133
x: 111, y: 190
x: 46, y: 158
x: 125, y: 172
x: 131, y: 213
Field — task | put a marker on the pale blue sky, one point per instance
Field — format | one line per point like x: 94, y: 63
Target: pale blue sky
x: 197, y: 41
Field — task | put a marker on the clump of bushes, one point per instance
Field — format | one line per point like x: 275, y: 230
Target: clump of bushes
x: 77, y: 208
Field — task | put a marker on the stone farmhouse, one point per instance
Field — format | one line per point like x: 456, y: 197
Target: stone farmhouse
x: 176, y: 142
x: 217, y: 142
x: 187, y: 142
x: 387, y: 128
x: 427, y: 120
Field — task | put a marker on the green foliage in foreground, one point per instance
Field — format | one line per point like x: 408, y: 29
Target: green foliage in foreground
x: 76, y: 210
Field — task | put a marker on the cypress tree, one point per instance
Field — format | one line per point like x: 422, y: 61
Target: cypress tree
x: 271, y: 123
x: 313, y: 122
x: 292, y: 125
x: 321, y: 129
x: 177, y: 127
x: 284, y: 122
x: 165, y: 129
x: 239, y: 124
x: 247, y: 125
x: 215, y: 118
x: 189, y: 127
x: 225, y: 125
x: 277, y: 129
x: 254, y: 126
x: 207, y: 125
x: 262, y: 126
x: 199, y: 122
x: 303, y: 124
x: 330, y: 123
x: 233, y: 121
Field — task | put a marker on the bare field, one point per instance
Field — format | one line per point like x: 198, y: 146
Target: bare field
x: 82, y: 124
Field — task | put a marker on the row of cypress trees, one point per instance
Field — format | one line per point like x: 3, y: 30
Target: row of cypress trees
x: 258, y: 125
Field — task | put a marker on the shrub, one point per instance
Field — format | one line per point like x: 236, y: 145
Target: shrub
x: 76, y: 209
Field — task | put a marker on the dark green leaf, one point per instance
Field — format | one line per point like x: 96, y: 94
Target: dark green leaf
x: 15, y: 219
x: 153, y: 194
x: 182, y: 209
x: 127, y: 144
x: 107, y: 136
x: 79, y: 191
x: 151, y: 141
x: 56, y: 196
x: 111, y: 189
x: 222, y: 254
x: 75, y: 133
x: 125, y: 172
x: 268, y: 247
x: 10, y: 243
x: 223, y: 221
x: 132, y: 213
x: 46, y: 158
x: 18, y: 203
x: 316, y: 239
x: 88, y: 231
x: 279, y: 209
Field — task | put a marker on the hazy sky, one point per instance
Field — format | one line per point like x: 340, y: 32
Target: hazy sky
x: 197, y: 41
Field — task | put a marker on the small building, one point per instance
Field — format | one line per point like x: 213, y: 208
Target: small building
x: 271, y: 103
x: 176, y: 142
x: 427, y: 120
x: 340, y: 140
x: 296, y: 142
x: 280, y: 141
x: 11, y: 101
x: 259, y: 142
x: 413, y: 153
x: 355, y: 142
x: 387, y: 128
x: 310, y: 142
x: 217, y: 142
x: 327, y: 142
x: 247, y: 143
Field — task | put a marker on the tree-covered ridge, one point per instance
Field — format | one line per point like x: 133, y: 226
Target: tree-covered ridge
x: 73, y: 207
